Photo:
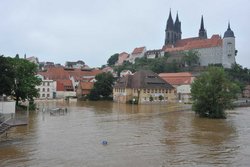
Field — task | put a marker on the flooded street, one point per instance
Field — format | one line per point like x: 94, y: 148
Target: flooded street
x: 141, y: 136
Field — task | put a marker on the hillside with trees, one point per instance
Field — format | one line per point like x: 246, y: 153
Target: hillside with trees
x: 184, y: 62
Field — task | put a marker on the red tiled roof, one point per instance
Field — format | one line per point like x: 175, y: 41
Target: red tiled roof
x: 66, y: 82
x: 63, y: 85
x: 194, y: 43
x: 123, y: 53
x: 181, y: 78
x: 59, y: 73
x: 87, y: 85
x: 59, y: 86
x: 138, y: 50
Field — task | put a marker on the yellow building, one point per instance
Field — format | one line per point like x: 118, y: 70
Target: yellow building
x: 143, y: 87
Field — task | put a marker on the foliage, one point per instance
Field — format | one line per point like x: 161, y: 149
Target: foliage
x: 25, y: 81
x: 113, y: 59
x: 240, y: 75
x: 126, y: 66
x: 157, y: 65
x: 191, y: 58
x: 18, y: 79
x: 6, y: 76
x: 93, y: 95
x: 103, y: 87
x: 212, y: 93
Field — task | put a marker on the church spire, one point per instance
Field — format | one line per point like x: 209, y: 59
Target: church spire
x: 170, y: 23
x: 229, y: 32
x: 202, y: 31
x: 177, y: 24
x: 173, y: 30
x: 229, y: 28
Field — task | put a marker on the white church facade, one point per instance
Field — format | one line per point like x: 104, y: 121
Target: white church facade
x: 214, y: 50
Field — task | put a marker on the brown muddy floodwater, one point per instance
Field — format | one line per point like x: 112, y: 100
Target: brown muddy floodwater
x: 137, y: 136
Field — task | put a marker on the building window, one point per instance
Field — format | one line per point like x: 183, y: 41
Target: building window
x: 47, y: 95
x: 43, y: 89
x: 38, y: 89
x: 47, y: 89
x: 145, y: 98
x: 152, y: 90
x: 148, y: 90
x: 144, y: 90
x: 43, y: 83
x: 43, y: 95
x: 48, y: 83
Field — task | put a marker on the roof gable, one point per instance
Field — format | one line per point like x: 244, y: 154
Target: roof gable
x: 143, y: 79
x: 139, y: 50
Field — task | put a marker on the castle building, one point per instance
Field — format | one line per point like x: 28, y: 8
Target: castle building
x: 214, y: 50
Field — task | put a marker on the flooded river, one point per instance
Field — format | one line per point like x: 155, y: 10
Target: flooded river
x: 140, y: 136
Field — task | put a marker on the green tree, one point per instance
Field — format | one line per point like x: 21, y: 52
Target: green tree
x: 24, y: 80
x: 103, y: 87
x: 158, y: 66
x: 93, y: 95
x: 6, y: 75
x: 113, y: 59
x: 191, y: 58
x: 212, y: 92
x: 18, y: 78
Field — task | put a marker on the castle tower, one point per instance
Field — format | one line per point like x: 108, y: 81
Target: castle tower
x: 202, y: 31
x: 228, y: 48
x: 170, y: 31
x: 177, y: 27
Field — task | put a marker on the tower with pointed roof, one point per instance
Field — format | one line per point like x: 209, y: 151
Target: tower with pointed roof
x: 177, y: 27
x: 202, y: 31
x: 173, y: 30
x: 228, y: 48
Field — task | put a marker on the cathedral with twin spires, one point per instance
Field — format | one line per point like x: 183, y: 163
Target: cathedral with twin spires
x: 214, y: 50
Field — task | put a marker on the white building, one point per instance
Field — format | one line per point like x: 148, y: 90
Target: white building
x: 214, y: 50
x: 137, y: 53
x: 47, y: 89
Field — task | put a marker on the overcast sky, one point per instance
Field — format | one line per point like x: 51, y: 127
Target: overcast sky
x: 93, y: 30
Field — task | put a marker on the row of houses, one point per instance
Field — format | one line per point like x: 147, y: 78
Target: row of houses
x: 61, y: 82
x: 144, y: 86
x: 138, y: 52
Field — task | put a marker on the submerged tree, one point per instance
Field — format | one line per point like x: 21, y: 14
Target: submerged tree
x: 212, y: 93
x: 103, y: 87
